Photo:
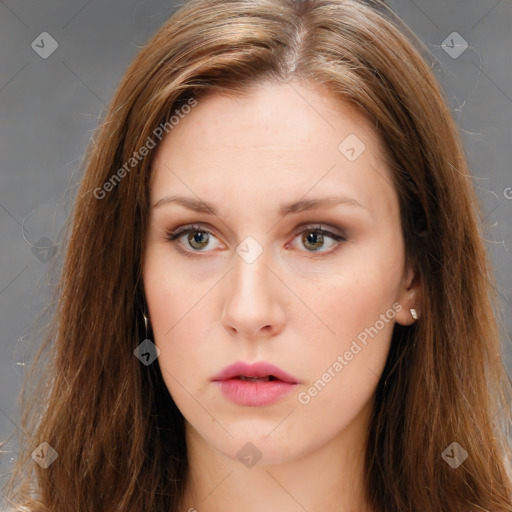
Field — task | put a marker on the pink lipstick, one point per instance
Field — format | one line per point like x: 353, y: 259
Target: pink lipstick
x: 254, y: 385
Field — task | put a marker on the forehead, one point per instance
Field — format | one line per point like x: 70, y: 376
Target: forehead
x: 280, y: 139
x: 272, y: 116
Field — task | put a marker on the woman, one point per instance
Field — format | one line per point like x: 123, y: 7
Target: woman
x: 275, y: 293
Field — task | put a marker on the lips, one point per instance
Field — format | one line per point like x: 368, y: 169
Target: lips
x: 254, y: 385
x: 257, y: 372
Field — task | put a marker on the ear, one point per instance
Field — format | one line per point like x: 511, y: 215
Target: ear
x: 409, y: 296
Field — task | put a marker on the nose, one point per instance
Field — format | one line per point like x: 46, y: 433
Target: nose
x: 253, y: 294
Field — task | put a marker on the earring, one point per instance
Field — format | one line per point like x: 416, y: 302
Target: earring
x: 414, y: 314
x: 145, y: 324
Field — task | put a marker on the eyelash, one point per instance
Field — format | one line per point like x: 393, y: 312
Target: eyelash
x: 317, y: 229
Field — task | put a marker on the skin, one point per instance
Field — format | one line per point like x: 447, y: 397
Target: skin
x: 299, y: 305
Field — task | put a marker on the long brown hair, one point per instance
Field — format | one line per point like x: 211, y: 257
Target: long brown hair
x: 117, y: 432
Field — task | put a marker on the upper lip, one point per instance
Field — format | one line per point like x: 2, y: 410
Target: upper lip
x: 260, y: 369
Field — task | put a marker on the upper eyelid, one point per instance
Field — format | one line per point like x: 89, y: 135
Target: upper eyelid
x: 318, y: 226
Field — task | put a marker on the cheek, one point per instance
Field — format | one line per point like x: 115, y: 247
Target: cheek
x: 356, y: 309
x: 178, y: 309
x: 342, y: 376
x: 353, y: 300
x: 168, y: 304
x: 170, y: 294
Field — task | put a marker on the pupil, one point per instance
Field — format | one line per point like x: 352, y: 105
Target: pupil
x: 312, y: 237
x: 196, y: 238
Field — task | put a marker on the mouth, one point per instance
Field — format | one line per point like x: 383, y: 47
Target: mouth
x: 245, y: 378
x: 254, y: 385
x: 256, y: 372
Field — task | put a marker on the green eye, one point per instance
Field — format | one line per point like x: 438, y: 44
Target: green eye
x: 198, y: 237
x: 313, y: 238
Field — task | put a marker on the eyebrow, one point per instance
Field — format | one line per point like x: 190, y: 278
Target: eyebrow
x: 200, y: 206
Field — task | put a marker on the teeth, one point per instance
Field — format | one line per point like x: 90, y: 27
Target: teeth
x: 254, y: 379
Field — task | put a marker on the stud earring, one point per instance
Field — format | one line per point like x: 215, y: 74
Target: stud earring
x: 414, y: 314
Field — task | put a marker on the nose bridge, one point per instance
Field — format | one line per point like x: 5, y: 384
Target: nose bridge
x: 251, y: 255
x: 251, y: 276
x: 252, y: 273
x: 252, y: 300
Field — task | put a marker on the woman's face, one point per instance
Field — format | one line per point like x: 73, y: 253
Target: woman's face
x: 257, y: 281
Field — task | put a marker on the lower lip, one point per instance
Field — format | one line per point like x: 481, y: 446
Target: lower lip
x: 254, y: 394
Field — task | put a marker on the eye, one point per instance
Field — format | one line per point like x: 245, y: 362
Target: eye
x: 314, y: 237
x: 197, y: 238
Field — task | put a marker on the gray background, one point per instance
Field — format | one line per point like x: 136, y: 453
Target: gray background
x: 50, y: 107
